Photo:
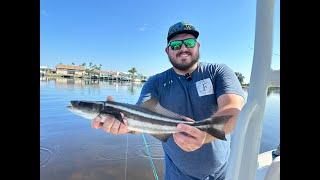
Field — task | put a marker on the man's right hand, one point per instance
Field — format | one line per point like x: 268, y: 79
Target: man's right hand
x: 110, y: 124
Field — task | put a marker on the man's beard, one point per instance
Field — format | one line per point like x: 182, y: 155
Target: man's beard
x: 184, y: 67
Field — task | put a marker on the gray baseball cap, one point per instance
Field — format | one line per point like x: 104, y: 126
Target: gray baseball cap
x: 182, y: 27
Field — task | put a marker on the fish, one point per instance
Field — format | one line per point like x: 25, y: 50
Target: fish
x: 149, y: 117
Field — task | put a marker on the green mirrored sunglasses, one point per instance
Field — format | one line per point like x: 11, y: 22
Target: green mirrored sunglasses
x: 176, y: 44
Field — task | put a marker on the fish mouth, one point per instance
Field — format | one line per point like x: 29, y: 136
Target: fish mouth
x: 74, y: 103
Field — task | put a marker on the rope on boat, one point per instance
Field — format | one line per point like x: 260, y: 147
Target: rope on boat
x: 150, y: 158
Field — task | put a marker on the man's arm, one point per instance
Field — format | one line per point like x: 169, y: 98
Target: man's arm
x: 230, y: 101
x: 228, y: 104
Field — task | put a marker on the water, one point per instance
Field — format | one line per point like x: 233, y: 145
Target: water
x: 71, y: 149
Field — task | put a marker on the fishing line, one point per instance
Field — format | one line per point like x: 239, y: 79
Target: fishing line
x: 125, y: 170
x: 151, y: 161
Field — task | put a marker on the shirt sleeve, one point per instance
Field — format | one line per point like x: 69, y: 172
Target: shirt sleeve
x: 227, y: 82
x: 149, y: 90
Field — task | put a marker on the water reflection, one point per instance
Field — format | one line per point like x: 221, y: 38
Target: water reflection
x: 132, y: 87
x: 96, y: 83
x: 273, y: 90
x: 77, y: 83
x: 270, y: 91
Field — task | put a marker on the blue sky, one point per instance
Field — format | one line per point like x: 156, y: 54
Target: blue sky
x: 121, y: 34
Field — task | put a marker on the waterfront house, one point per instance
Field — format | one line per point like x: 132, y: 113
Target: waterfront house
x: 110, y: 75
x: 125, y: 76
x: 43, y: 70
x: 70, y: 70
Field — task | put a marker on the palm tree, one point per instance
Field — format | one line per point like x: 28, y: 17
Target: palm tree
x: 132, y: 71
x: 240, y: 77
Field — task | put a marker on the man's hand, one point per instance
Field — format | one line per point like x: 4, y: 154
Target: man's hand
x: 191, y: 139
x: 109, y: 123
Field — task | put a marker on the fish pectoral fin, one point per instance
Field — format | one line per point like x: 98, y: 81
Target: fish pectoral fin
x: 161, y: 137
x: 154, y: 106
x: 113, y: 112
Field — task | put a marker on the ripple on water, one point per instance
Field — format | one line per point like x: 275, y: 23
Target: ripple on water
x: 48, y: 154
x: 45, y: 155
x: 155, y: 150
x: 110, y: 153
x: 118, y: 153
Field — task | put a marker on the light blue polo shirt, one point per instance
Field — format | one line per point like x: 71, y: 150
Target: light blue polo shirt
x: 197, y: 99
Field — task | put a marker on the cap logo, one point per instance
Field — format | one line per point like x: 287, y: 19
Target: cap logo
x: 187, y: 27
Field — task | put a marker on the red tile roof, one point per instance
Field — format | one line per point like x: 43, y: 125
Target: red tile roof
x: 62, y: 66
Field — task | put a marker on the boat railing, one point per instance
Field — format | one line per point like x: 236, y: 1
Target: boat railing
x: 246, y: 139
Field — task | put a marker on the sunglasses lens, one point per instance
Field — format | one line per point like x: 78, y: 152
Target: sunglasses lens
x: 175, y: 45
x: 190, y: 43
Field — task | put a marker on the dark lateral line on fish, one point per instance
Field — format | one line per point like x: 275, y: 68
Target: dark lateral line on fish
x: 138, y: 109
x: 142, y: 116
x: 148, y: 120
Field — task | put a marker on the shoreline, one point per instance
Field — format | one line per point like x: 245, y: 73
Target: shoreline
x: 94, y: 78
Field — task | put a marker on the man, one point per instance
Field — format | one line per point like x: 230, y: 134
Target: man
x: 196, y: 90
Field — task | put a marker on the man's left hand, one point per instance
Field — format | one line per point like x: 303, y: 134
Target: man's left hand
x: 194, y: 139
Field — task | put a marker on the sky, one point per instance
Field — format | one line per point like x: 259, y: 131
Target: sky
x: 121, y: 34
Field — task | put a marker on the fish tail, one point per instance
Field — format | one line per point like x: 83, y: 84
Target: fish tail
x: 214, y: 126
x: 220, y: 134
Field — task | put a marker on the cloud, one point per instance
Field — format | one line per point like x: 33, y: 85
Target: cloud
x: 44, y: 12
x: 143, y: 28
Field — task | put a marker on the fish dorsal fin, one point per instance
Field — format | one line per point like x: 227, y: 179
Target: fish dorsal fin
x: 154, y: 106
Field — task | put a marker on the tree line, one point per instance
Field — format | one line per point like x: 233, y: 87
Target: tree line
x: 93, y: 68
x: 133, y: 71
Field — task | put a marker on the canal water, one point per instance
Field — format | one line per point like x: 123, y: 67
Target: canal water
x: 70, y: 149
